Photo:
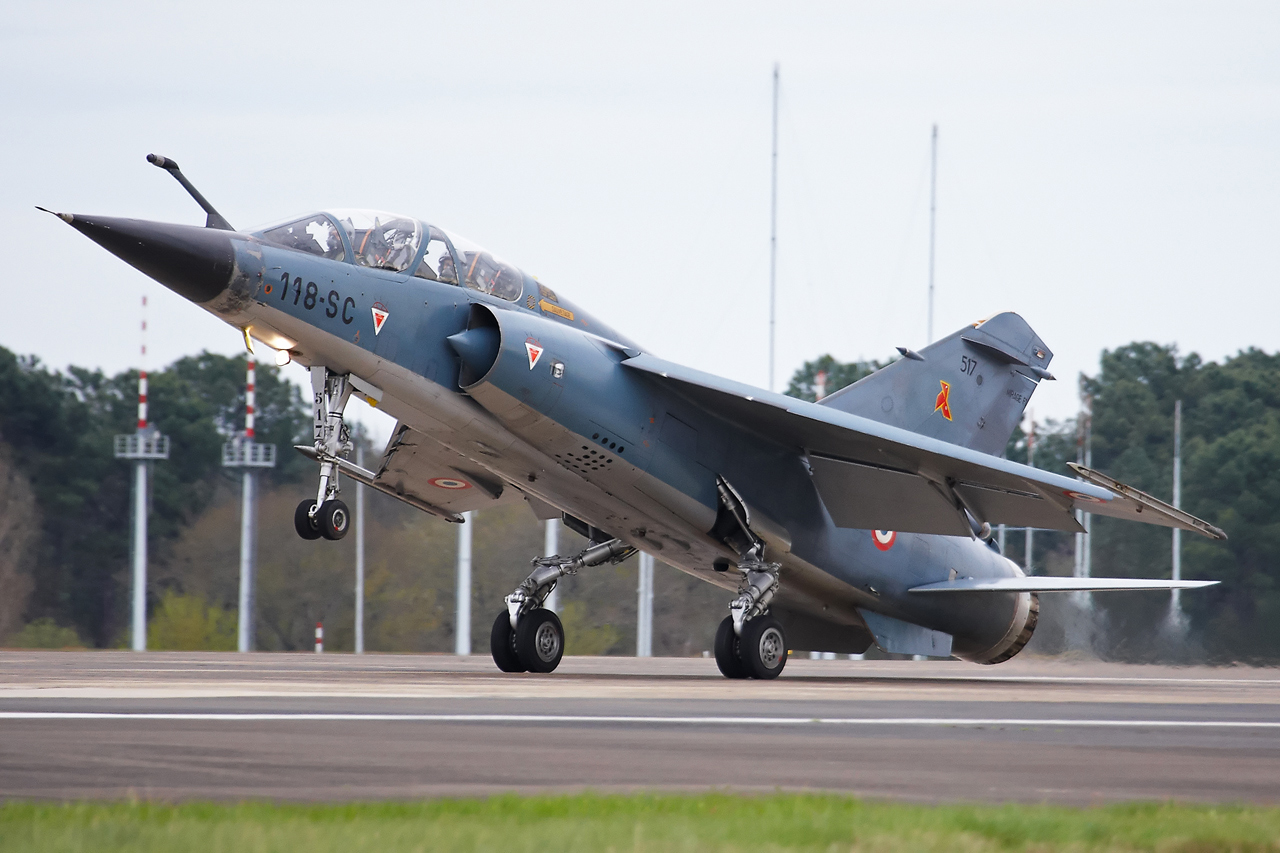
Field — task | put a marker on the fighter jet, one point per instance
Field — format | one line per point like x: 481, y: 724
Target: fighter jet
x: 864, y: 518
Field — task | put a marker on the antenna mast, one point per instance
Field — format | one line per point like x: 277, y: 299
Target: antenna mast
x: 933, y: 215
x: 773, y: 229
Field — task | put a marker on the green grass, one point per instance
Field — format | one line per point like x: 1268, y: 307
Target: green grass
x: 649, y: 822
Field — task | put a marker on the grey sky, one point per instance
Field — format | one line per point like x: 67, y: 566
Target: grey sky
x: 1109, y: 171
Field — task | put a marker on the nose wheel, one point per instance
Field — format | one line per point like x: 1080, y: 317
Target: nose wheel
x: 326, y: 516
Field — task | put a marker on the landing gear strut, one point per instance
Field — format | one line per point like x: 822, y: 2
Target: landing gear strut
x: 750, y: 643
x: 326, y: 515
x: 529, y: 638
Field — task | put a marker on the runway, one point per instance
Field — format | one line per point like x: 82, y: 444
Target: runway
x: 179, y: 726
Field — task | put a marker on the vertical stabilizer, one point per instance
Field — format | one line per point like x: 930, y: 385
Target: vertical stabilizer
x: 970, y: 388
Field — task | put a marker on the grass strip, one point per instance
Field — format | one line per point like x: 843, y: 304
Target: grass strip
x: 639, y: 822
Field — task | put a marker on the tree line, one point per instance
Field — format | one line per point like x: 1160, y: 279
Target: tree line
x: 65, y: 504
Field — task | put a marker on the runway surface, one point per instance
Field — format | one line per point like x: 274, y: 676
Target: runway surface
x: 177, y: 726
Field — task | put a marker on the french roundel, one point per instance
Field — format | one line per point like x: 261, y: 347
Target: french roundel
x: 884, y: 539
x: 449, y: 483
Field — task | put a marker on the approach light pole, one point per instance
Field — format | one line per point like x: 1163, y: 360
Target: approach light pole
x: 243, y: 452
x: 1175, y: 601
x: 462, y: 615
x: 933, y: 217
x: 1031, y: 462
x: 359, y: 554
x: 644, y: 608
x: 551, y: 547
x: 144, y: 446
x: 773, y: 229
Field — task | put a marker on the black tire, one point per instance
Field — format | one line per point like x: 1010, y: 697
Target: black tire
x: 763, y: 647
x: 334, y: 519
x: 727, y: 651
x: 304, y: 523
x: 540, y: 640
x: 502, y: 645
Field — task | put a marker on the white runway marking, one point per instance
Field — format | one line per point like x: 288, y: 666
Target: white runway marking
x: 941, y: 722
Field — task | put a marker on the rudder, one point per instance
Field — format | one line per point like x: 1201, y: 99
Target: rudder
x: 970, y: 388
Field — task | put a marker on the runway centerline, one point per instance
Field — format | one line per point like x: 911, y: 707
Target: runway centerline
x: 589, y: 719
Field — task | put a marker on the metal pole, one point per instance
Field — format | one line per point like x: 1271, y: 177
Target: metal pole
x: 933, y: 213
x: 248, y: 516
x: 1175, y: 604
x: 462, y: 638
x: 360, y: 556
x: 1077, y: 557
x: 1088, y: 518
x: 773, y: 229
x: 551, y: 547
x: 248, y: 542
x: 140, y: 557
x: 1031, y: 461
x: 644, y: 608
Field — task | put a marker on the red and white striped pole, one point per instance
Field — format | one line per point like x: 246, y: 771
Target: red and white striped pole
x: 142, y: 373
x: 319, y: 637
x: 250, y: 401
x: 248, y: 514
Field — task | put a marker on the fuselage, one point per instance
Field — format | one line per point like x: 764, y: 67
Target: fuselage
x: 553, y: 413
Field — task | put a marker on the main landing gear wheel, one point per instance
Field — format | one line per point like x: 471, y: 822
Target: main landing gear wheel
x: 334, y: 519
x: 727, y: 657
x: 540, y: 640
x: 304, y: 522
x: 502, y: 645
x: 763, y: 647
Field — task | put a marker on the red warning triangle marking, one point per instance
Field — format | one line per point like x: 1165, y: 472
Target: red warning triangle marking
x: 535, y: 353
x: 379, y: 317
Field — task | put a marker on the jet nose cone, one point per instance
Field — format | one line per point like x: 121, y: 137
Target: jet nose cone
x: 197, y: 263
x: 478, y: 348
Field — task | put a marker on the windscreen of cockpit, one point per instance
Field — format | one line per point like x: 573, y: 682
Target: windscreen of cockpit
x: 483, y: 272
x: 381, y: 240
x: 315, y: 235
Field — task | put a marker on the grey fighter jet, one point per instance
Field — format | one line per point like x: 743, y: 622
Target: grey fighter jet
x: 865, y: 518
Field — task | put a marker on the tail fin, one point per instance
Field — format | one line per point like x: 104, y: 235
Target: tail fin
x: 970, y: 388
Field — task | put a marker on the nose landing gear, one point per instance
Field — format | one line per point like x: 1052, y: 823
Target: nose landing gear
x: 326, y: 515
x: 529, y: 638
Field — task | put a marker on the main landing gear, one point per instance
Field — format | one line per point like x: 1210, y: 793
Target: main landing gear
x: 527, y: 637
x: 750, y: 643
x: 326, y: 515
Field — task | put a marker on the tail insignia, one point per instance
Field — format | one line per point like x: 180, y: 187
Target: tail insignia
x: 943, y: 403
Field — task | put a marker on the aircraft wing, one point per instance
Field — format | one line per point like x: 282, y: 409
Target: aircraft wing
x: 425, y: 474
x: 878, y: 477
x: 1040, y: 583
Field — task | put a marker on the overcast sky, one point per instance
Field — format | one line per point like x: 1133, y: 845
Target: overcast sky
x: 1110, y: 171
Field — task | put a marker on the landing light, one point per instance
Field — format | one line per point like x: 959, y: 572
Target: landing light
x: 283, y: 357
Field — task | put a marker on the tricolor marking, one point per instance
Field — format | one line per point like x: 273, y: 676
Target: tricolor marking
x: 884, y: 539
x: 449, y: 483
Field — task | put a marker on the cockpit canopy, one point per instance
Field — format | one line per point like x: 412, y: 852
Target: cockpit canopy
x: 387, y: 241
x: 380, y: 240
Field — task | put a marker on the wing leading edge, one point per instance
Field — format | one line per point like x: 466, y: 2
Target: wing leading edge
x: 425, y: 474
x: 874, y: 476
x: 1041, y: 583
